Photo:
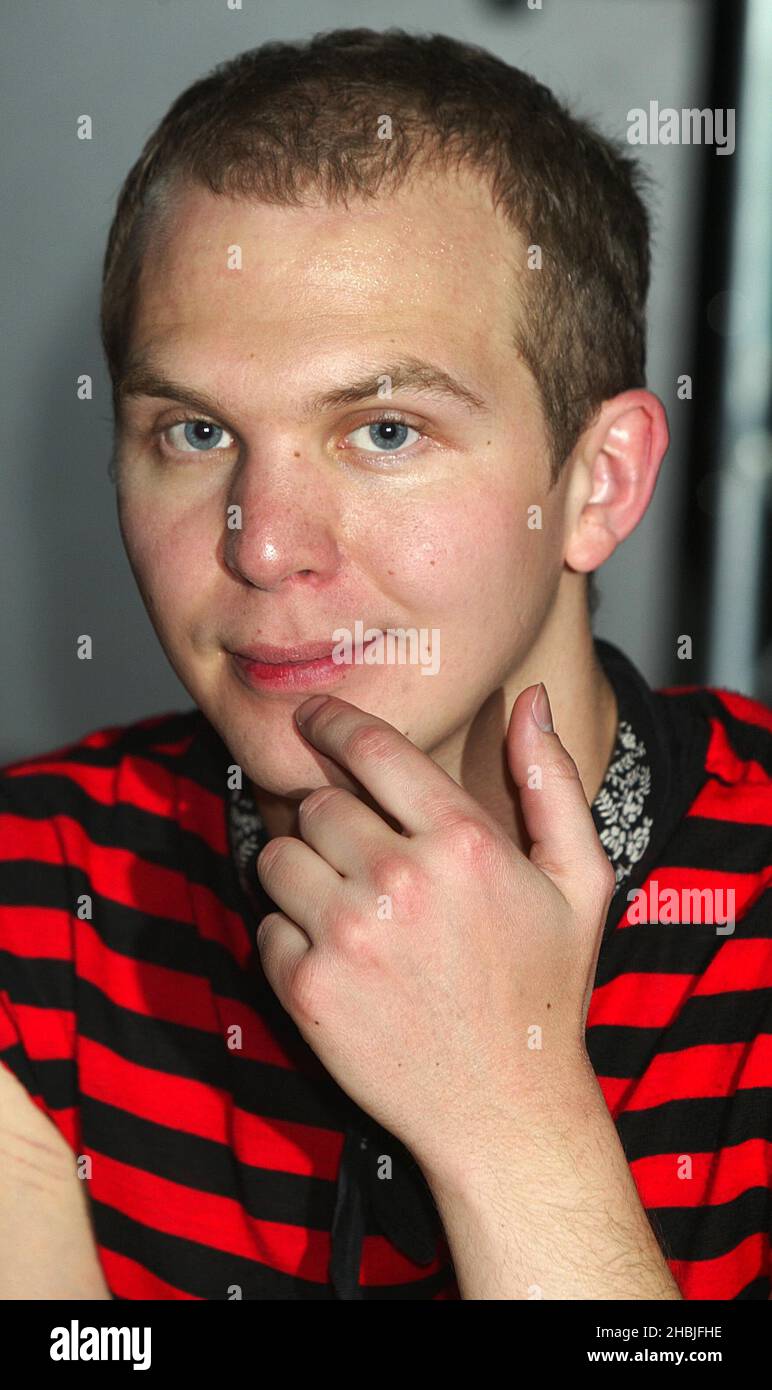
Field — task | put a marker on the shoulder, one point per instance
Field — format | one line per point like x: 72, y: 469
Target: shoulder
x: 86, y: 807
x: 726, y: 774
x: 101, y: 767
x: 738, y: 748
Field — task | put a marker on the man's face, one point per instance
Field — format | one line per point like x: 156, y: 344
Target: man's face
x: 420, y: 525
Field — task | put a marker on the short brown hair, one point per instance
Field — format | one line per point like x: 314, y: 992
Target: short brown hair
x: 287, y: 118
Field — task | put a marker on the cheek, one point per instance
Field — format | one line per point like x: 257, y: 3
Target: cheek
x: 462, y: 553
x: 169, y: 553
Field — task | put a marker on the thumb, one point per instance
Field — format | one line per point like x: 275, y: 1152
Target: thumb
x: 564, y: 841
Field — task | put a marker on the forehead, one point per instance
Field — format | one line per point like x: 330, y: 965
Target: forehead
x: 432, y: 258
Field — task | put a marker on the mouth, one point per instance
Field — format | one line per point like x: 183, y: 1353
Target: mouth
x: 266, y: 655
x: 306, y: 665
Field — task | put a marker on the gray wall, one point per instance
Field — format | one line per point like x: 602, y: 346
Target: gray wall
x: 65, y: 572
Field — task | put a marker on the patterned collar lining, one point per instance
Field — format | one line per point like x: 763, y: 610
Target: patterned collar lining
x: 619, y: 811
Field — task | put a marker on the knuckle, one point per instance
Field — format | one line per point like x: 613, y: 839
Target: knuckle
x: 606, y: 876
x: 354, y: 939
x: 470, y: 842
x: 398, y: 877
x: 303, y: 989
x: 600, y: 878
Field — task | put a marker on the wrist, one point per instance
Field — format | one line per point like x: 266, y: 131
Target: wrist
x: 527, y: 1138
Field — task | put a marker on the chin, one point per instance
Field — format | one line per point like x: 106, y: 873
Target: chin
x: 277, y: 761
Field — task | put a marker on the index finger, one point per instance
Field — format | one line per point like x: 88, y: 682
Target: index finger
x: 406, y: 782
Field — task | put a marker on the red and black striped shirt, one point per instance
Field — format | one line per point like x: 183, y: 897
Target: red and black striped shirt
x: 225, y: 1162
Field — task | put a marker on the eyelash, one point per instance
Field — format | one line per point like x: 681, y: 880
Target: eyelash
x: 377, y: 418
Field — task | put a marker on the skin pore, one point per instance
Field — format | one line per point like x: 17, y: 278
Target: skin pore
x: 337, y: 528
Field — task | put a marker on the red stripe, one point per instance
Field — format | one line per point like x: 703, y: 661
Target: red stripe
x: 748, y: 778
x: 218, y: 1222
x: 67, y: 1121
x: 639, y: 1000
x: 122, y: 876
x: 23, y: 838
x: 34, y: 933
x: 171, y: 995
x: 710, y: 1069
x: 725, y: 1276
x: 148, y: 787
x: 128, y: 1279
x: 107, y: 737
x: 744, y: 708
x: 647, y: 999
x: 754, y: 807
x: 700, y: 1179
x: 160, y: 992
x: 383, y: 1264
x: 747, y: 888
x: 194, y: 1107
x: 47, y: 1034
x: 175, y: 750
x: 222, y: 1224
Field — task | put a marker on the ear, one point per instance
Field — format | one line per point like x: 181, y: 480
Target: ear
x: 614, y: 468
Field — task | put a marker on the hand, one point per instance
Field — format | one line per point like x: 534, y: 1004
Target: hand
x: 441, y: 975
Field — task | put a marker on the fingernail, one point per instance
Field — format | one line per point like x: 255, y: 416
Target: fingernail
x: 310, y: 707
x: 540, y: 709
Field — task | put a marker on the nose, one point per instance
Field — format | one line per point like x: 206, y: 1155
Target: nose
x: 281, y: 522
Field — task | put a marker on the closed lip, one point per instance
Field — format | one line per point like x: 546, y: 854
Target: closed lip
x: 279, y: 656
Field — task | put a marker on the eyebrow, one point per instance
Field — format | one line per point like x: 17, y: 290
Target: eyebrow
x: 406, y: 373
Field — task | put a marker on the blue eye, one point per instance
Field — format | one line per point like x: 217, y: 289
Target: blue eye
x: 384, y: 435
x: 198, y: 436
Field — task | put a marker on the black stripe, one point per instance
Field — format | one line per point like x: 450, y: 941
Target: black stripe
x: 720, y: 846
x: 751, y: 742
x: 142, y: 834
x: 130, y: 740
x: 55, y: 1080
x: 704, y: 1125
x: 194, y: 1268
x: 130, y: 932
x: 207, y: 1273
x: 679, y: 948
x: 41, y: 983
x: 709, y: 1231
x: 33, y: 883
x: 260, y: 1088
x: 758, y: 1288
x: 310, y: 1096
x: 732, y: 1017
x: 208, y: 1166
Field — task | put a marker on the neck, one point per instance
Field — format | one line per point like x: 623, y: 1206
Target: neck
x: 584, y: 712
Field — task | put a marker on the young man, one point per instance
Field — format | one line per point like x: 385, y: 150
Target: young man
x: 295, y: 998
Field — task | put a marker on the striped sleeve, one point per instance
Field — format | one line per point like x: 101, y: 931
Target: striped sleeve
x: 37, y: 993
